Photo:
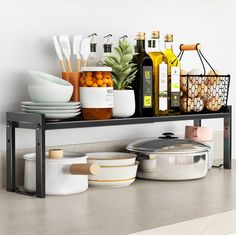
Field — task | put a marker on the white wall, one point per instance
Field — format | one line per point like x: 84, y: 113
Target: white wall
x: 26, y: 28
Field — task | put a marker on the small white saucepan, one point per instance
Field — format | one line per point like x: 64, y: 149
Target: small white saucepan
x: 63, y: 176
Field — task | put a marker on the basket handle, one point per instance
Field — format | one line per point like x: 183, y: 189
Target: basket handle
x: 190, y: 47
x: 197, y: 48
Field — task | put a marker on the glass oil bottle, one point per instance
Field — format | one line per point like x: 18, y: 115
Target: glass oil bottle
x: 143, y: 83
x: 107, y: 49
x: 160, y: 76
x: 93, y: 59
x: 173, y: 73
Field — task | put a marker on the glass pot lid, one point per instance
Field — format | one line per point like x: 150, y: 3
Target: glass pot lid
x: 167, y: 144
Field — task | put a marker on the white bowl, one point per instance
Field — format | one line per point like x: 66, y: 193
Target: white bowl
x: 47, y: 88
x: 112, y: 158
x: 114, y: 173
x: 111, y: 184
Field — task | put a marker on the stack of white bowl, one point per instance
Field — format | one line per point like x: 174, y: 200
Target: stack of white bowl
x: 50, y: 96
x: 117, y: 169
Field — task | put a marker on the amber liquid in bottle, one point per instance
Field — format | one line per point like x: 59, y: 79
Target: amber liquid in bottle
x: 161, y: 89
x: 143, y: 83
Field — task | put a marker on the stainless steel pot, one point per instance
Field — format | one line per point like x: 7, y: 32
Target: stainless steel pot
x: 170, y: 158
x: 68, y: 175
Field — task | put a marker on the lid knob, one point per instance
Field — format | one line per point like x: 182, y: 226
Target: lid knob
x: 168, y: 135
x: 55, y: 153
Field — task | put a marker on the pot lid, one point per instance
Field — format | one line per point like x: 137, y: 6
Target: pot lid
x: 68, y: 157
x: 167, y: 144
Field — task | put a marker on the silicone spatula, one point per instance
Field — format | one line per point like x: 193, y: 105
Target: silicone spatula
x: 59, y: 53
x: 65, y: 46
x: 85, y: 50
x: 76, y: 49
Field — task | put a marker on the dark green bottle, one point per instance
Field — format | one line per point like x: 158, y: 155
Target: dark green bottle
x: 143, y: 83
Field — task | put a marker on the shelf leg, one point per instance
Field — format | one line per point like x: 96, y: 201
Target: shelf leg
x: 228, y: 139
x: 197, y: 122
x: 11, y: 156
x: 40, y: 158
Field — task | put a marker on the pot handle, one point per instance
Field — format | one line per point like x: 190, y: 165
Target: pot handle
x: 196, y: 132
x: 84, y: 169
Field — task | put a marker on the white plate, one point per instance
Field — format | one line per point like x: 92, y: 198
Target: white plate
x: 46, y: 111
x: 112, y: 158
x: 61, y: 115
x: 57, y: 116
x: 50, y: 107
x: 31, y: 103
x: 112, y: 184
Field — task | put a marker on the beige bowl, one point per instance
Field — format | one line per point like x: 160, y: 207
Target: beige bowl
x: 112, y: 158
x: 115, y: 173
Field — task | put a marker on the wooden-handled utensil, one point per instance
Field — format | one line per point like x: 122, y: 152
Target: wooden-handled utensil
x: 59, y: 53
x: 85, y: 50
x: 76, y: 50
x: 84, y: 169
x: 65, y: 46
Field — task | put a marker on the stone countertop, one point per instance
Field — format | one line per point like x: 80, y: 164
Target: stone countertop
x: 143, y: 206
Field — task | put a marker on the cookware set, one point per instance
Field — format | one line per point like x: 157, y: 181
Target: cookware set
x: 163, y: 158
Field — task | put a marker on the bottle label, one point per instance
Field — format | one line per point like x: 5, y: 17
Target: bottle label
x: 163, y: 87
x: 147, y: 86
x: 175, y: 86
x: 96, y: 97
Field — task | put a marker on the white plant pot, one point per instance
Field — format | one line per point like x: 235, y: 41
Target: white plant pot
x: 123, y: 103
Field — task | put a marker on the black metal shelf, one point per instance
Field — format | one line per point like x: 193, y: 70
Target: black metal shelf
x: 50, y: 125
x: 41, y: 125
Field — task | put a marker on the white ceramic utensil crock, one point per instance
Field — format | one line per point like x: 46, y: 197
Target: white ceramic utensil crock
x: 68, y: 175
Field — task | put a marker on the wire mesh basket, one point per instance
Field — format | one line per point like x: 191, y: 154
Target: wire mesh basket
x: 202, y: 93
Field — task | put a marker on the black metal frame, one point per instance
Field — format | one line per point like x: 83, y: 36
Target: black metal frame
x: 38, y: 123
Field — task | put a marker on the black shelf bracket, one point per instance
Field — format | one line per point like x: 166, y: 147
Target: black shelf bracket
x: 40, y: 124
x: 32, y: 121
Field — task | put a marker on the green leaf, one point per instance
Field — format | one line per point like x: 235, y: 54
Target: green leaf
x: 117, y: 66
x: 108, y: 62
x: 126, y: 58
x: 123, y: 69
x: 118, y: 50
x: 116, y: 59
x: 129, y: 50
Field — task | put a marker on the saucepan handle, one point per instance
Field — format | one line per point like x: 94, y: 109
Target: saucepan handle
x: 84, y: 169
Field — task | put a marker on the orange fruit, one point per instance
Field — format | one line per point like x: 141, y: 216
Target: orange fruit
x: 89, y: 83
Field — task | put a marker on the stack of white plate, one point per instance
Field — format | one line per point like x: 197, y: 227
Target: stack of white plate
x: 117, y: 169
x: 52, y: 110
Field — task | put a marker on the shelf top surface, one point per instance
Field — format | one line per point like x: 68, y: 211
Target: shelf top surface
x: 24, y: 118
x: 130, y: 121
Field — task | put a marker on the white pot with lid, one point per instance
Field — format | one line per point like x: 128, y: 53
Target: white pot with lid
x: 64, y: 176
x: 170, y: 158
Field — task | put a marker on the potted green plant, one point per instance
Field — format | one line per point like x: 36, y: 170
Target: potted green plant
x: 123, y: 74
